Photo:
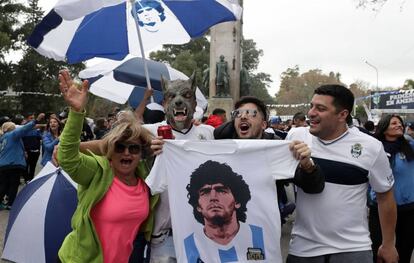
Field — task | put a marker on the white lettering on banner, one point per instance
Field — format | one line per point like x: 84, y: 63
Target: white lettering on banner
x: 404, y: 101
x: 390, y: 102
x: 402, y: 96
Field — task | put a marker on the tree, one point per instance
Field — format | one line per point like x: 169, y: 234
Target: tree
x: 408, y: 84
x: 186, y: 58
x: 296, y: 88
x: 250, y: 54
x: 35, y: 73
x: 375, y: 5
x: 260, y: 83
x: 10, y: 35
x: 195, y: 54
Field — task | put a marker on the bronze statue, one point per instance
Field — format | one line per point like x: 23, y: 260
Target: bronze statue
x: 206, y: 80
x: 222, y: 78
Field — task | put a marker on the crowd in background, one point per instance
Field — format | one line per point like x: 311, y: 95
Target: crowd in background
x: 30, y: 137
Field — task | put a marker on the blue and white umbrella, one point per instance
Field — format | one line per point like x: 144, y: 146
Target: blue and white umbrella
x: 40, y: 217
x: 78, y: 30
x: 122, y: 81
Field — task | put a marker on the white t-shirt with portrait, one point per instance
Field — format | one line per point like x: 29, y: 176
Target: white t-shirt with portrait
x: 259, y: 162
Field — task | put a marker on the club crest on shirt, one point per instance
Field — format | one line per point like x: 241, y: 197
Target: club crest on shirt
x: 356, y: 150
x: 390, y: 179
x: 255, y: 254
x: 201, y: 137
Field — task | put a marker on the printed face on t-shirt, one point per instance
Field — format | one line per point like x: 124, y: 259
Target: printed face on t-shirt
x: 217, y: 204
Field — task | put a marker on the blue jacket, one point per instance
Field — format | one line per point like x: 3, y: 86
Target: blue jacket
x: 11, y: 146
x: 48, y: 144
x: 404, y: 179
x: 403, y: 172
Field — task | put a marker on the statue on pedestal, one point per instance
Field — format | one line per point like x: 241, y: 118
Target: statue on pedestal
x: 222, y: 78
x: 245, y: 82
x: 206, y: 80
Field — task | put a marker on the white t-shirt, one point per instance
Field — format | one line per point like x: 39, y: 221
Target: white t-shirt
x: 162, y: 218
x: 259, y: 162
x: 336, y: 220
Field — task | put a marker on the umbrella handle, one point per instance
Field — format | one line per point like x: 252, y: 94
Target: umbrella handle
x: 141, y: 46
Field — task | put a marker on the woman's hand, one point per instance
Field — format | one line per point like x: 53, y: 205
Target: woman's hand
x: 75, y: 97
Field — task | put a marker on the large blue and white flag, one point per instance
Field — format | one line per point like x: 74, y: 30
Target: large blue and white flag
x: 78, y: 30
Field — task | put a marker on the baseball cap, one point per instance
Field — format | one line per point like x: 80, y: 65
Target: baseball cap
x: 275, y: 120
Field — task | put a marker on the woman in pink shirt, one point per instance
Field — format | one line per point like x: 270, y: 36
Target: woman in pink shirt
x: 114, y: 202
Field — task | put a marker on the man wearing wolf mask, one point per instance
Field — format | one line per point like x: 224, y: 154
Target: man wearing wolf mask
x: 179, y: 105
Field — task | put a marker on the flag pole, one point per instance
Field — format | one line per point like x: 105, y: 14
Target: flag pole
x: 141, y: 46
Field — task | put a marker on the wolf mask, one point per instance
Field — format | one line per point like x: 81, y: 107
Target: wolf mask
x: 179, y: 101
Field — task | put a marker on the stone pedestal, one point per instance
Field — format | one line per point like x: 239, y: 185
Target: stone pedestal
x: 223, y: 103
x: 225, y: 40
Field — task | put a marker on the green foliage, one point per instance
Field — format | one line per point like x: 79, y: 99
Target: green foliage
x: 260, y: 82
x: 296, y: 88
x: 33, y: 73
x: 194, y: 55
x: 408, y: 84
x: 10, y: 25
x: 250, y: 54
x: 186, y: 58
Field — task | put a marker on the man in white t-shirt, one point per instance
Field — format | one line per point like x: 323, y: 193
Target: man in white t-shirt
x: 332, y: 226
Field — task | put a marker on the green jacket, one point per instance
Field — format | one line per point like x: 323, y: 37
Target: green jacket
x: 94, y: 177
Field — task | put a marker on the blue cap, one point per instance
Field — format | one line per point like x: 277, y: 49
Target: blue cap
x: 275, y: 120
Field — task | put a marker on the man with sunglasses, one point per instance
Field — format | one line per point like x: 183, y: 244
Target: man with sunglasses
x: 249, y: 122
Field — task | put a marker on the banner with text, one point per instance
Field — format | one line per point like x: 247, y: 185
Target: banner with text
x: 393, y: 101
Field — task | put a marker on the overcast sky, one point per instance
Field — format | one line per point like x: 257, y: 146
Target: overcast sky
x: 331, y: 35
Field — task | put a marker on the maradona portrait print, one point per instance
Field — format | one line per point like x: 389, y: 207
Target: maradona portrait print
x: 223, y: 199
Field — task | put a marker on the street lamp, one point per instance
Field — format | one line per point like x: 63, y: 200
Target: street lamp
x: 374, y: 67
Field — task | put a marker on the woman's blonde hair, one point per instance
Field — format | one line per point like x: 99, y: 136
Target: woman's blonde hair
x: 8, y: 126
x: 126, y: 129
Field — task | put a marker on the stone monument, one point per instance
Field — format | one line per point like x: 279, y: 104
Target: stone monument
x: 225, y: 47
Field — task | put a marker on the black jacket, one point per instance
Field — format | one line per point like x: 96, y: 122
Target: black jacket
x: 311, y: 183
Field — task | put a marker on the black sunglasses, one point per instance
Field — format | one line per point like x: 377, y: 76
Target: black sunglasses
x: 132, y: 148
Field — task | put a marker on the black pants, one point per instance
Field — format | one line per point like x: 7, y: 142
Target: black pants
x: 404, y: 233
x: 138, y: 253
x: 9, y: 182
x: 32, y: 158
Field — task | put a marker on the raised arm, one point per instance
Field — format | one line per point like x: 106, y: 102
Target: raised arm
x: 139, y: 111
x: 79, y: 166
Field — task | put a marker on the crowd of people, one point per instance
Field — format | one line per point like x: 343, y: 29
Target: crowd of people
x: 354, y: 185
